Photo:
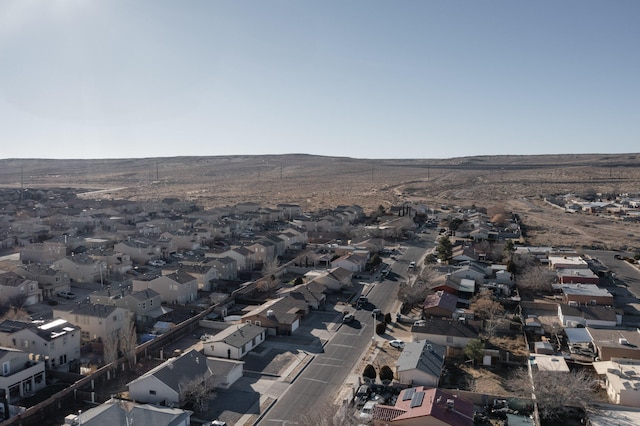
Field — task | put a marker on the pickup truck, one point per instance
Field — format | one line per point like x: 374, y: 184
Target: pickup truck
x: 66, y: 295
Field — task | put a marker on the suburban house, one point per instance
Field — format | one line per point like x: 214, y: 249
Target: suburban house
x: 123, y: 412
x: 145, y: 305
x: 21, y: 375
x: 352, y: 262
x: 439, y: 304
x: 166, y: 383
x: 279, y: 243
x: 264, y: 250
x: 187, y: 240
x: 226, y: 267
x: 81, y: 268
x: 49, y: 280
x: 472, y: 271
x: 235, y: 341
x: 311, y: 293
x: 19, y: 290
x: 589, y: 316
x: 56, y: 342
x: 550, y: 363
x: 614, y: 343
x: 118, y: 264
x: 204, y: 274
x: 279, y: 316
x: 622, y: 380
x: 424, y: 406
x: 96, y: 322
x: 141, y: 251
x: 334, y: 279
x: 245, y: 258
x: 177, y: 287
x: 577, y: 276
x: 44, y: 253
x: 567, y: 261
x: 420, y: 364
x: 585, y: 294
x: 445, y: 332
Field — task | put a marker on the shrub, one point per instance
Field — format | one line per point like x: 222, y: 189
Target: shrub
x: 369, y: 372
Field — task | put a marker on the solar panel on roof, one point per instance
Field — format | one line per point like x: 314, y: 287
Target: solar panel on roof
x: 408, y: 394
x: 416, y: 400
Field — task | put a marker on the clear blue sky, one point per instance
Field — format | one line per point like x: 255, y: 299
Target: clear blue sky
x: 364, y: 79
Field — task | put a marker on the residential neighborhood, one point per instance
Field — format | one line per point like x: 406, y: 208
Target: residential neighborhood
x: 240, y: 314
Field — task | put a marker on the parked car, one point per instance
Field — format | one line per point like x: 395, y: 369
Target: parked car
x: 157, y: 262
x: 66, y: 295
x: 361, y: 396
x: 397, y: 343
x: 348, y: 318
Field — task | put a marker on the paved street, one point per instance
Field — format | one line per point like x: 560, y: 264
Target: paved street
x: 321, y: 383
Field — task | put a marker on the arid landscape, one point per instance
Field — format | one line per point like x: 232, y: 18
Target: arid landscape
x: 517, y: 183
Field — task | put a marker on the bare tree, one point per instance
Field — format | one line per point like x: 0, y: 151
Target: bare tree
x: 535, y: 278
x: 110, y: 348
x: 486, y: 307
x: 195, y: 394
x: 555, y: 392
x: 128, y: 340
x: 414, y: 293
x: 270, y: 272
x: 517, y: 262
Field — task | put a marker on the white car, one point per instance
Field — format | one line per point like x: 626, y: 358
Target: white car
x: 397, y: 343
x: 157, y: 262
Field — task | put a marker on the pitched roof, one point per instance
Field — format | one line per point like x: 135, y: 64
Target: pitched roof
x: 181, y: 277
x: 446, y: 327
x: 177, y: 372
x: 285, y: 310
x: 239, y: 335
x: 422, y: 355
x: 119, y: 412
x: 417, y: 402
x: 441, y: 299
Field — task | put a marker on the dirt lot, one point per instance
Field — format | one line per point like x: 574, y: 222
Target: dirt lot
x: 514, y: 182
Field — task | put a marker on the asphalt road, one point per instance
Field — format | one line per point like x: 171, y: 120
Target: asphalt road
x: 315, y: 390
x: 624, y: 272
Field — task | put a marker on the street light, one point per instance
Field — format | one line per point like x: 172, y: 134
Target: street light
x: 373, y: 338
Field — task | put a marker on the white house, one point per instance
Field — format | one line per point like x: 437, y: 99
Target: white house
x: 235, y: 341
x: 421, y: 364
x: 21, y: 375
x: 166, y: 383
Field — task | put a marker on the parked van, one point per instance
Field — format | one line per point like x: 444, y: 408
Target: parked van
x: 420, y: 323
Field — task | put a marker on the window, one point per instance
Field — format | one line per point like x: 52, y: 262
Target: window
x: 449, y: 339
x: 152, y: 392
x: 84, y: 335
x: 258, y: 322
x: 6, y: 368
x: 53, y: 345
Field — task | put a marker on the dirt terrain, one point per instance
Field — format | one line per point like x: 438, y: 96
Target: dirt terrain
x: 515, y: 182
